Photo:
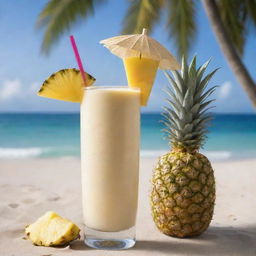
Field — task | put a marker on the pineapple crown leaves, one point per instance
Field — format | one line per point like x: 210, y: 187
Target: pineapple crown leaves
x: 186, y: 117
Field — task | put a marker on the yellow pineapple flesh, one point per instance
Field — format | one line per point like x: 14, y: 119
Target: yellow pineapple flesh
x: 52, y: 230
x: 66, y: 84
x: 141, y: 74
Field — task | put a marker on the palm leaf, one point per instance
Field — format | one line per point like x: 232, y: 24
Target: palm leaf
x: 182, y: 23
x: 58, y: 16
x: 141, y: 14
x: 233, y: 15
x: 250, y: 10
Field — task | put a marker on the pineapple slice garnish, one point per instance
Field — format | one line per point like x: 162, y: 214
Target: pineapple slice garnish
x: 141, y: 73
x: 52, y: 230
x: 66, y: 84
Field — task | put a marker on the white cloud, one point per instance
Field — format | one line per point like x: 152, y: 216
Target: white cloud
x: 225, y: 90
x: 13, y: 89
x: 10, y: 89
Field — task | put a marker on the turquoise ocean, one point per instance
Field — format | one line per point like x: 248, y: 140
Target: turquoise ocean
x: 57, y: 135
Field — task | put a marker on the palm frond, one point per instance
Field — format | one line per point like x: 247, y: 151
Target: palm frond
x: 233, y: 15
x: 250, y: 10
x: 58, y: 16
x: 141, y: 14
x: 181, y: 22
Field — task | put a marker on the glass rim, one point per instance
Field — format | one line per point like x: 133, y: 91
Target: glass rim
x: 106, y: 87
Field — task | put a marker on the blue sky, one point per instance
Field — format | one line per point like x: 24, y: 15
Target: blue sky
x: 23, y: 68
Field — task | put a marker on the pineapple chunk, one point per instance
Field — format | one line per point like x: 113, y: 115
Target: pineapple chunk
x: 66, y: 84
x: 141, y: 73
x: 52, y: 230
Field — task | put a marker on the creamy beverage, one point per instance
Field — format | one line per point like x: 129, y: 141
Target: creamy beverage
x: 110, y: 135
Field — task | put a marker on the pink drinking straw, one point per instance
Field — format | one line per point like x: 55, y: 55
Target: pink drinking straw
x: 78, y: 59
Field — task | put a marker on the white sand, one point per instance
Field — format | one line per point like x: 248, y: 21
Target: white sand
x: 28, y: 188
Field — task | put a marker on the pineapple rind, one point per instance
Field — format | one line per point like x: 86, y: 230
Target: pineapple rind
x: 183, y: 194
x: 52, y: 230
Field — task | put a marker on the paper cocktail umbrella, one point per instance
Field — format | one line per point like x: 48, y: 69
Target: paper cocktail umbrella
x: 142, y: 56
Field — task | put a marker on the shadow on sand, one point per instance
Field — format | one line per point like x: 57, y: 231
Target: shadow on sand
x: 215, y: 241
x: 79, y: 245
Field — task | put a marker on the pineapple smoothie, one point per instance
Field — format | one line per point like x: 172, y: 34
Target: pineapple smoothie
x: 110, y: 135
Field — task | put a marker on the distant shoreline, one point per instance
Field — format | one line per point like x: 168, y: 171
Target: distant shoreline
x: 37, y: 153
x: 52, y: 135
x: 77, y: 113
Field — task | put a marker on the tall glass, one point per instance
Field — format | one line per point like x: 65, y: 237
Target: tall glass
x: 110, y: 135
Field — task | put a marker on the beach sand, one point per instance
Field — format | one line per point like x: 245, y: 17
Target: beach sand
x: 30, y: 187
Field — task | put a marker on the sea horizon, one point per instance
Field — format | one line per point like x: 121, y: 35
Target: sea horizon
x: 57, y: 134
x: 142, y: 112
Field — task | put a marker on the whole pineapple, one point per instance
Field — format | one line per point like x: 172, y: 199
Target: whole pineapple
x: 183, y: 185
